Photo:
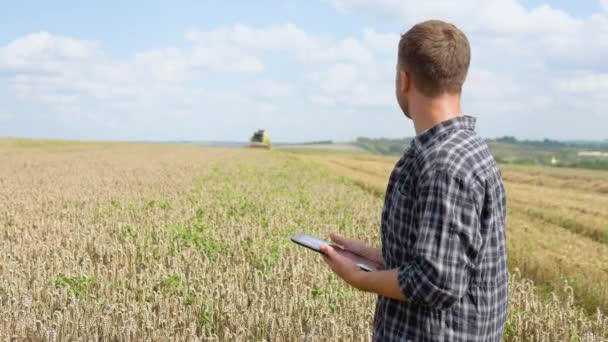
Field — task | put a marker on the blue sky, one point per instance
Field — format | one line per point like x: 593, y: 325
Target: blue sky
x: 304, y: 70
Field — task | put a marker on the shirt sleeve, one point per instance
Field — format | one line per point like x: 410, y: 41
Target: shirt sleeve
x: 448, y: 240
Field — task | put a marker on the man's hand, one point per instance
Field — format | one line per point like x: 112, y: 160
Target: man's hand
x: 384, y: 283
x: 358, y: 247
x: 343, y: 267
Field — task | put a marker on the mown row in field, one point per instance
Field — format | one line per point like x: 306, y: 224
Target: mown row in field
x: 557, y: 224
x: 153, y: 242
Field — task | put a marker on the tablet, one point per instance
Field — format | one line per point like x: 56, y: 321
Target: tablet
x: 315, y: 244
x: 309, y: 241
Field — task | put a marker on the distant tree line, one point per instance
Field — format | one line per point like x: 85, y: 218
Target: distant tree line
x: 603, y: 145
x: 510, y: 150
x: 320, y: 142
x: 386, y: 146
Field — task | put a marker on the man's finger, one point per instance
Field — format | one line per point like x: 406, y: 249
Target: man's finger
x: 339, y: 239
x: 328, y: 260
x: 328, y: 251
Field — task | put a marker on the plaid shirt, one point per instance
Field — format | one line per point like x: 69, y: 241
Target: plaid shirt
x: 443, y: 227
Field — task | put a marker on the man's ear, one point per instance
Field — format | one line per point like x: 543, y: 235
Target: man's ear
x: 405, y: 81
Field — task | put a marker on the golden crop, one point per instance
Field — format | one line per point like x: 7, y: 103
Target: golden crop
x: 557, y: 225
x: 105, y: 241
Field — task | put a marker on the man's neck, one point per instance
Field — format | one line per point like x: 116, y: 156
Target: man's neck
x: 428, y: 112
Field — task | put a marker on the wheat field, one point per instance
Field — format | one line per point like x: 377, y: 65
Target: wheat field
x: 144, y: 242
x: 557, y: 222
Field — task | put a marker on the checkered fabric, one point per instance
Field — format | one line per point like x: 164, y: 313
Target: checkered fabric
x: 443, y: 227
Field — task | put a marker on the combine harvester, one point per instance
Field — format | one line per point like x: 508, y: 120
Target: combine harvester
x: 260, y: 140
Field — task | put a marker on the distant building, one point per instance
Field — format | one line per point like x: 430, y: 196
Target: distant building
x: 593, y: 154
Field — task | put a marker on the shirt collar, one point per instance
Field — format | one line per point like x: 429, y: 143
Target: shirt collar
x: 427, y: 137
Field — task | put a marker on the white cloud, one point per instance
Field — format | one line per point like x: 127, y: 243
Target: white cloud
x: 337, y: 78
x: 350, y: 85
x: 494, y: 16
x: 65, y: 72
x: 349, y: 49
x: 287, y: 37
x: 224, y: 58
x: 213, y: 55
x: 503, y: 25
x: 604, y: 4
x: 302, y: 46
x: 43, y: 53
x: 70, y: 74
x: 29, y: 49
x: 491, y: 85
x: 542, y: 61
x: 74, y: 82
x: 589, y: 83
x: 381, y: 42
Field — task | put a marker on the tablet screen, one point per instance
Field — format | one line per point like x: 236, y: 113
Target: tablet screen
x: 315, y: 244
x: 309, y: 241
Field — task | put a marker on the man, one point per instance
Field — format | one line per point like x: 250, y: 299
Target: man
x: 443, y: 222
